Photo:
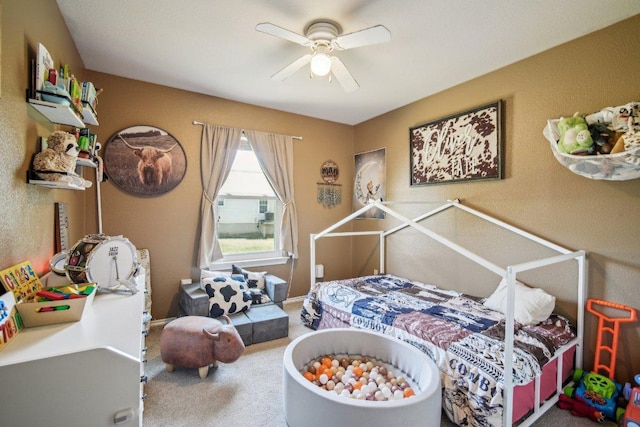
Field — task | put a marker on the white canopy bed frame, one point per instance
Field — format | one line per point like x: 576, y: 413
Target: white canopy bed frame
x: 509, y: 273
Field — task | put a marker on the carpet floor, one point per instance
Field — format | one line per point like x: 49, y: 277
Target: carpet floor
x: 247, y: 393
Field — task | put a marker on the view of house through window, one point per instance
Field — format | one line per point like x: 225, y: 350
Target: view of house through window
x: 247, y: 210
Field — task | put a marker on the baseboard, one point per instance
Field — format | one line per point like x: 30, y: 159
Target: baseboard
x: 294, y: 300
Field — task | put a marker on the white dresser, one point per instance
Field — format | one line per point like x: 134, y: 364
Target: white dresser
x: 88, y: 373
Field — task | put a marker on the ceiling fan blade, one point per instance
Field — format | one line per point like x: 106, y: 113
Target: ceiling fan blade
x: 366, y: 37
x: 344, y: 77
x: 292, y: 68
x: 274, y: 30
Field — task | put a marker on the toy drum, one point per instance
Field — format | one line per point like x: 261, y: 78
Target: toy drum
x: 58, y: 262
x: 101, y: 259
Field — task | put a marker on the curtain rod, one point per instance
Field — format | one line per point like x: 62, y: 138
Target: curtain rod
x: 195, y: 122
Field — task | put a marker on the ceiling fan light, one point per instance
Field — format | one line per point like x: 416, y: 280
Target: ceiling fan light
x: 320, y: 64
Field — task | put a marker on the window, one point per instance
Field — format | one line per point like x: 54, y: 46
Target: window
x: 248, y: 212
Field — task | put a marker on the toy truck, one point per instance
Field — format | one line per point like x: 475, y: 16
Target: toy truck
x: 631, y: 416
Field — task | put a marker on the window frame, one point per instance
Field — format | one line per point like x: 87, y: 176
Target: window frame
x: 254, y: 259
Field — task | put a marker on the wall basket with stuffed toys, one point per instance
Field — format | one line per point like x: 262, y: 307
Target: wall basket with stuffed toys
x: 604, y: 145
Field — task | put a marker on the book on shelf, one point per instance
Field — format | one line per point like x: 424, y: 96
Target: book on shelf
x: 89, y: 93
x: 44, y: 63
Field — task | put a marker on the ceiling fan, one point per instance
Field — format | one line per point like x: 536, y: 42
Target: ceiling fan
x: 323, y: 38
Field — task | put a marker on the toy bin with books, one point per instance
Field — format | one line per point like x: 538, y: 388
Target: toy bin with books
x: 37, y: 306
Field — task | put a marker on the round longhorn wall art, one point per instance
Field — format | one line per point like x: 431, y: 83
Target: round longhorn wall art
x: 144, y: 161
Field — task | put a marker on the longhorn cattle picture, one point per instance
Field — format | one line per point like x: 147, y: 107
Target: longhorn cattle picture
x: 144, y: 161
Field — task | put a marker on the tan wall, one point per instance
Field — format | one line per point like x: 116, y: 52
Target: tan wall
x: 168, y: 225
x: 538, y: 194
x: 26, y: 223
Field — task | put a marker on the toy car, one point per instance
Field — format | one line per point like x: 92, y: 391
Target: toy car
x: 598, y: 391
x: 632, y: 414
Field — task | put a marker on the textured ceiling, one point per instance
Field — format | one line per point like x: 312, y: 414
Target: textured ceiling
x: 212, y: 47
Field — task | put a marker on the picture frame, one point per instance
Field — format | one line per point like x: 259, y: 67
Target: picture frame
x: 370, y: 181
x: 144, y: 161
x: 465, y: 146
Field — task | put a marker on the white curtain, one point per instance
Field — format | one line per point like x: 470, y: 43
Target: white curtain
x: 275, y: 155
x: 218, y: 148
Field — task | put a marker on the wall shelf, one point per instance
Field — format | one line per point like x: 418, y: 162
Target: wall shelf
x: 57, y: 113
x: 73, y: 184
x: 89, y: 115
x: 56, y: 184
x: 90, y: 163
x: 64, y: 113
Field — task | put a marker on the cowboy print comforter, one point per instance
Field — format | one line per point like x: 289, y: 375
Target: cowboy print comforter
x: 462, y: 336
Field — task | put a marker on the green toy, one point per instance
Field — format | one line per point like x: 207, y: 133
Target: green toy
x: 575, y: 137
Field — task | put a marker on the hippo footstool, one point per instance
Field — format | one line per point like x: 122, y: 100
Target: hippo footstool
x: 198, y: 342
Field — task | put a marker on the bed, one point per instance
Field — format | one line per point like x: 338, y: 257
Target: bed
x: 495, y: 370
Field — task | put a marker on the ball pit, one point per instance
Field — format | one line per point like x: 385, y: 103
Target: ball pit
x: 354, y: 376
x: 304, y: 399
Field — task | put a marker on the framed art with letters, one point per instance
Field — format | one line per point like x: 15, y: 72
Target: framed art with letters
x: 463, y: 147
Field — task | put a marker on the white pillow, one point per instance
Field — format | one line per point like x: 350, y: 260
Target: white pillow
x: 255, y: 279
x: 209, y: 274
x: 532, y: 305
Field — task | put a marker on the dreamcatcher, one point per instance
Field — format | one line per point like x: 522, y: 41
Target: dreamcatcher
x: 329, y: 193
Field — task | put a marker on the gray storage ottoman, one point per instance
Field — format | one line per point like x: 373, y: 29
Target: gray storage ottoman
x: 262, y: 322
x: 276, y: 289
x: 192, y: 301
x: 269, y: 322
x: 244, y: 327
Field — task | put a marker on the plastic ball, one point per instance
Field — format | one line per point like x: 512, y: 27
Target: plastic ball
x: 386, y: 391
x: 357, y: 377
x: 357, y: 371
